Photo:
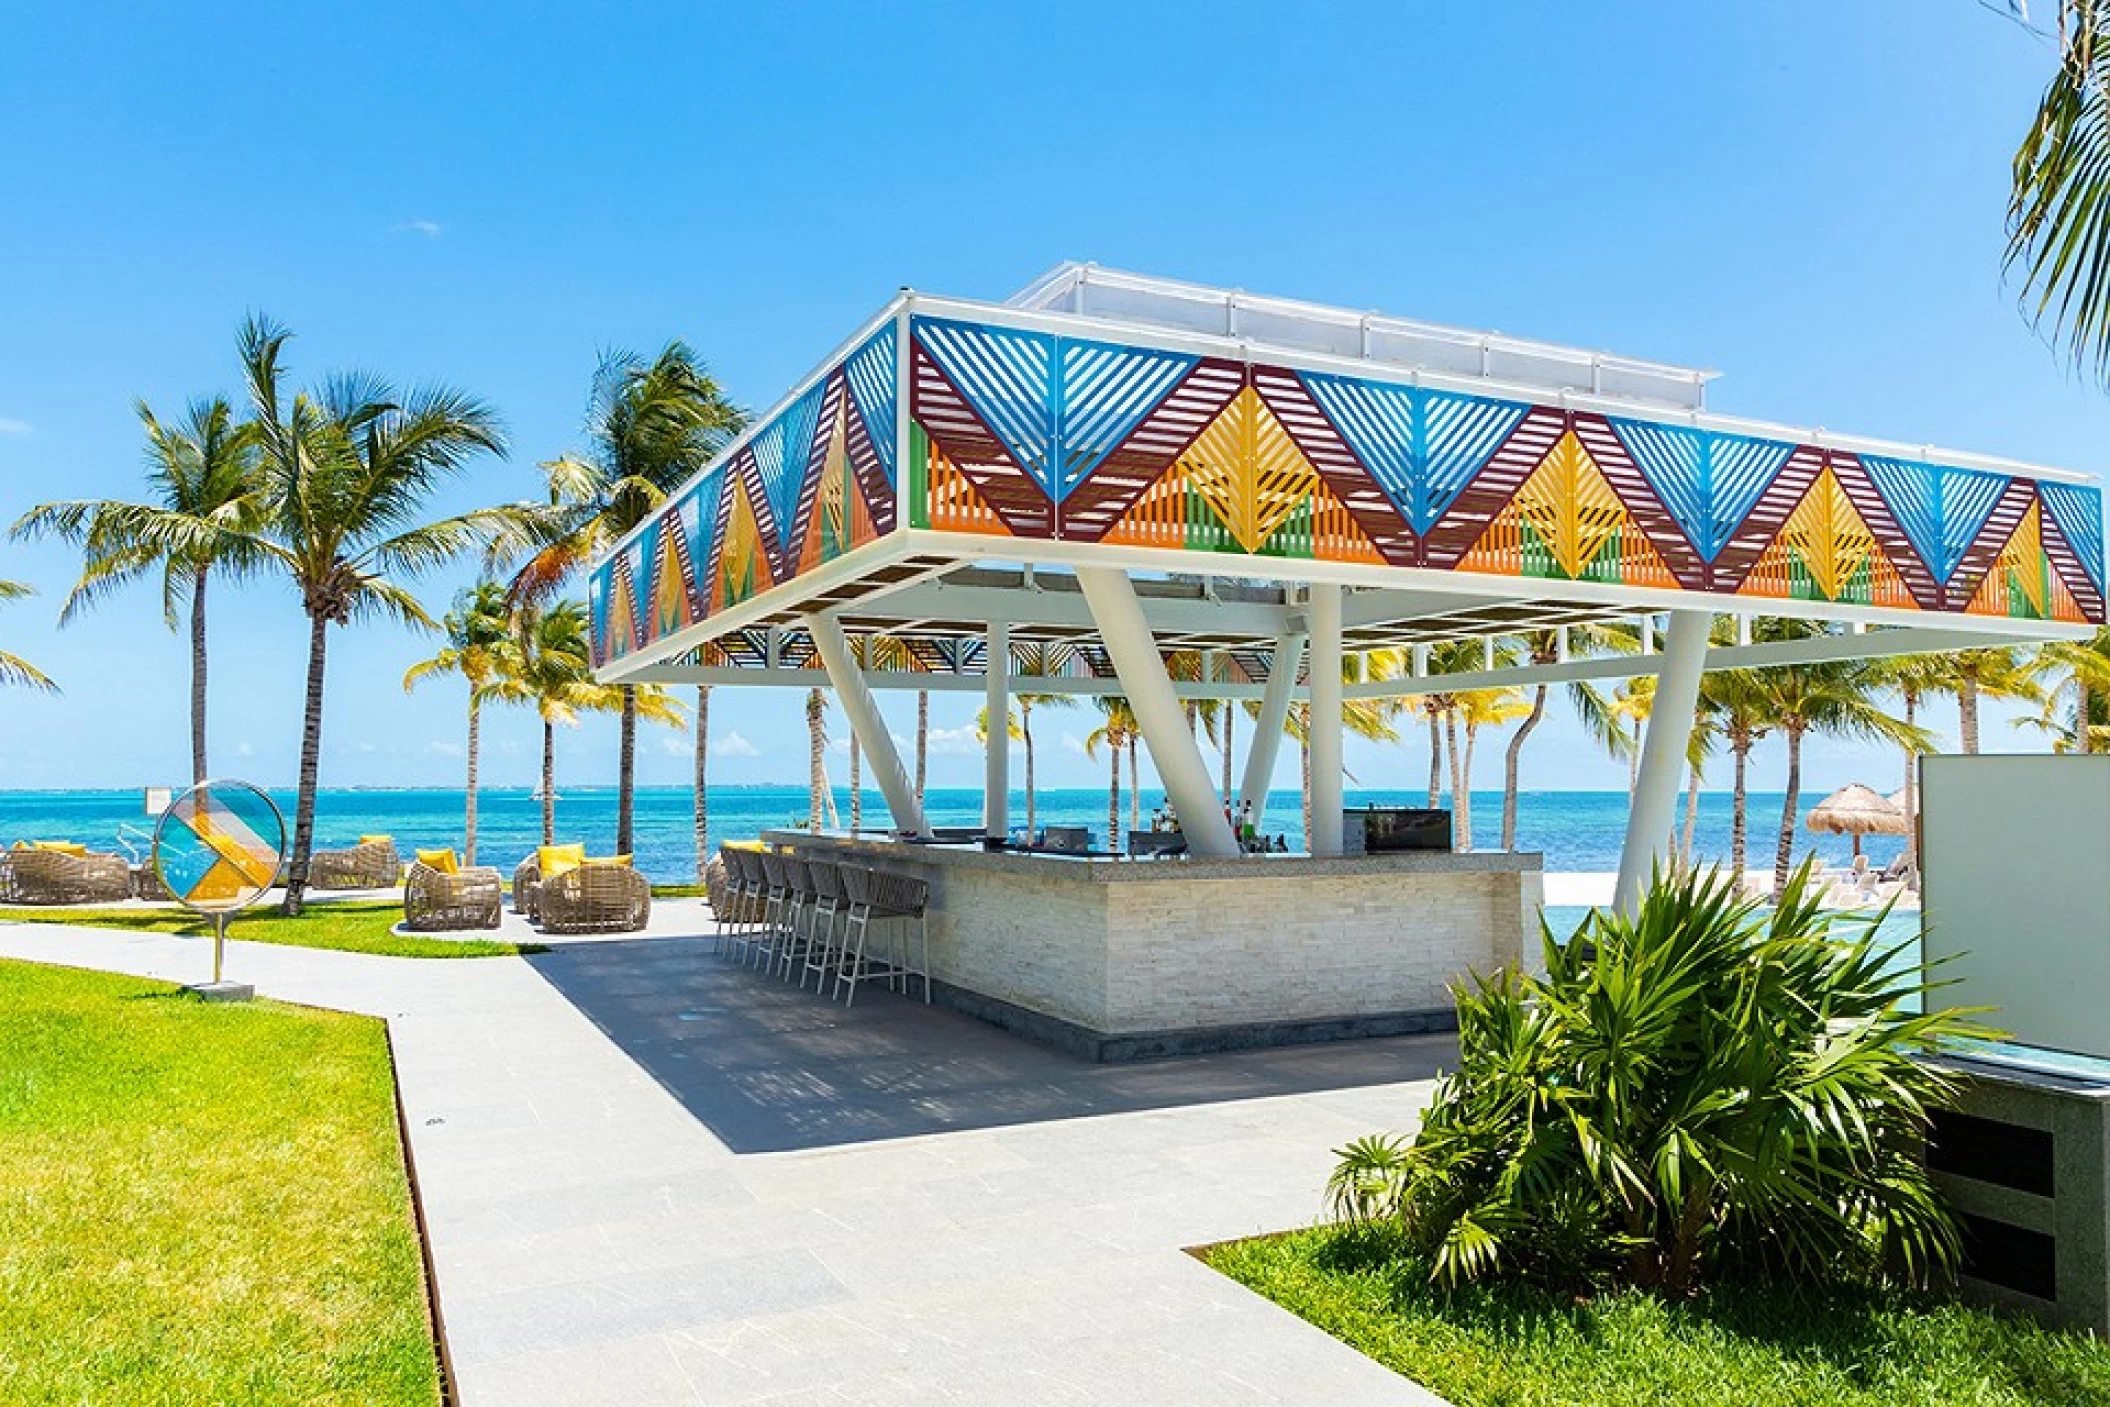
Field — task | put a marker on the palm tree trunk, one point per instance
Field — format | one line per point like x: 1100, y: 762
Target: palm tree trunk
x: 310, y: 757
x: 1230, y: 712
x: 1435, y: 762
x: 1692, y: 816
x: 1509, y: 766
x: 1786, y: 850
x: 1466, y: 776
x: 703, y: 757
x: 1025, y: 728
x: 1113, y: 796
x: 2085, y: 739
x: 1967, y: 712
x: 476, y: 718
x: 1461, y: 800
x: 197, y: 677
x: 626, y: 773
x: 549, y: 782
x: 816, y: 768
x: 1740, y: 749
x: 857, y: 800
x: 1135, y: 788
x: 1911, y: 780
x: 1304, y: 762
x: 923, y: 753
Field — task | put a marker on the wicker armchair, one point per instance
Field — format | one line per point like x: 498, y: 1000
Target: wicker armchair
x: 527, y: 877
x: 435, y: 902
x: 54, y: 877
x: 595, y: 897
x: 374, y: 865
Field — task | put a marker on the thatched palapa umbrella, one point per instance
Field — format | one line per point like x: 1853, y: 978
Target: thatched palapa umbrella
x: 1856, y: 810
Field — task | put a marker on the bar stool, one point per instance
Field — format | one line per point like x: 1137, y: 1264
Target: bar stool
x: 830, y: 907
x: 770, y: 938
x: 742, y: 882
x: 800, y: 896
x: 879, y: 895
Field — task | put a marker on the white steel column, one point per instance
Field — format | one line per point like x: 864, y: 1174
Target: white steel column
x: 1119, y: 616
x: 1274, y: 713
x: 996, y: 759
x: 1663, y: 747
x: 1325, y: 725
x: 855, y: 696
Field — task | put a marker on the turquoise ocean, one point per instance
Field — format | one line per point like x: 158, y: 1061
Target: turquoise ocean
x: 1575, y: 830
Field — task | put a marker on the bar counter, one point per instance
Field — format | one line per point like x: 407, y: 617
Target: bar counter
x: 1116, y: 958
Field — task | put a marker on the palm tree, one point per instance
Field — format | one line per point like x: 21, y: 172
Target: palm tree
x: 14, y: 670
x: 1012, y: 732
x: 702, y: 760
x: 550, y: 665
x: 2058, y: 215
x: 819, y: 798
x: 1543, y: 647
x: 651, y: 426
x: 343, y: 476
x: 2000, y: 673
x: 2079, y: 691
x: 1835, y: 698
x: 1477, y: 709
x: 1035, y: 660
x: 1115, y: 734
x: 923, y: 744
x: 1915, y: 677
x: 479, y: 634
x: 1740, y: 709
x: 201, y: 474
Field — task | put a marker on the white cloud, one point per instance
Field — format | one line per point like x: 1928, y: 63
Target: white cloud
x: 243, y: 749
x: 1072, y: 743
x: 731, y: 744
x: 11, y: 426
x: 444, y: 748
x: 428, y: 228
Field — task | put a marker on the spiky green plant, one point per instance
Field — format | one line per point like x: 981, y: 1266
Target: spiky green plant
x: 1703, y: 1087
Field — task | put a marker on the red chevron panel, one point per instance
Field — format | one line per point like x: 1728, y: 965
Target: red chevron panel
x: 1343, y: 473
x: 1912, y: 569
x: 1991, y: 541
x: 1750, y: 539
x: 954, y: 426
x: 1124, y: 475
x: 1640, y: 501
x: 1456, y: 533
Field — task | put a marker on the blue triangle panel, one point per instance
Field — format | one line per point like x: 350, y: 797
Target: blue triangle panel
x: 1105, y: 392
x: 699, y: 522
x: 780, y: 452
x: 870, y: 372
x: 1913, y: 493
x: 1380, y: 424
x: 597, y: 589
x: 1458, y: 436
x: 1739, y: 470
x: 1674, y: 460
x: 1008, y: 377
x: 1968, y: 497
x: 2079, y: 514
x: 643, y: 557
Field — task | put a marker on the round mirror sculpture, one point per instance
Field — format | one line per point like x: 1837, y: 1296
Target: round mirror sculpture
x: 217, y: 849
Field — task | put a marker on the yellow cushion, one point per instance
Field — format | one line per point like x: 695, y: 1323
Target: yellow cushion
x: 554, y: 860
x: 623, y: 860
x: 754, y: 845
x: 377, y: 840
x: 441, y: 860
x: 63, y: 847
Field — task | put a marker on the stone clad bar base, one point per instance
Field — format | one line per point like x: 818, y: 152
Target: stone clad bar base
x: 1126, y: 960
x: 2025, y: 1162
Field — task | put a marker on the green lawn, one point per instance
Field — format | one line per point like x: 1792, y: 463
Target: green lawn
x: 1744, y: 1346
x: 200, y: 1203
x: 349, y: 925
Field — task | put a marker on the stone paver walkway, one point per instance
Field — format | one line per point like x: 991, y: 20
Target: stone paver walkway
x: 653, y: 1178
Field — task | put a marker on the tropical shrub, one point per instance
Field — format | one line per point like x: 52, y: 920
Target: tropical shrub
x: 1700, y: 1088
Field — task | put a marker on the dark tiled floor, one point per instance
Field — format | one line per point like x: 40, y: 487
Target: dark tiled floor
x: 769, y: 1068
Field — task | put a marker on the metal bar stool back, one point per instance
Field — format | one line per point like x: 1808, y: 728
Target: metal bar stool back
x: 830, y: 907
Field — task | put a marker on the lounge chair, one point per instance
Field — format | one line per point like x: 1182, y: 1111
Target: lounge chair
x: 371, y: 864
x: 55, y: 877
x: 437, y: 902
x: 527, y: 875
x: 599, y: 896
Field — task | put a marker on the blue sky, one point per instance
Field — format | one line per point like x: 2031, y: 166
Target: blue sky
x: 1805, y: 196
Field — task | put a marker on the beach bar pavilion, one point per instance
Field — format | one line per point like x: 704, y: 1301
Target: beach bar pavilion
x: 1118, y: 484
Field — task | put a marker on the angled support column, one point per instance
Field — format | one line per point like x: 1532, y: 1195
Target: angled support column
x: 1274, y: 714
x: 1326, y: 760
x: 996, y: 760
x: 1119, y: 616
x: 855, y: 696
x: 1670, y: 720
